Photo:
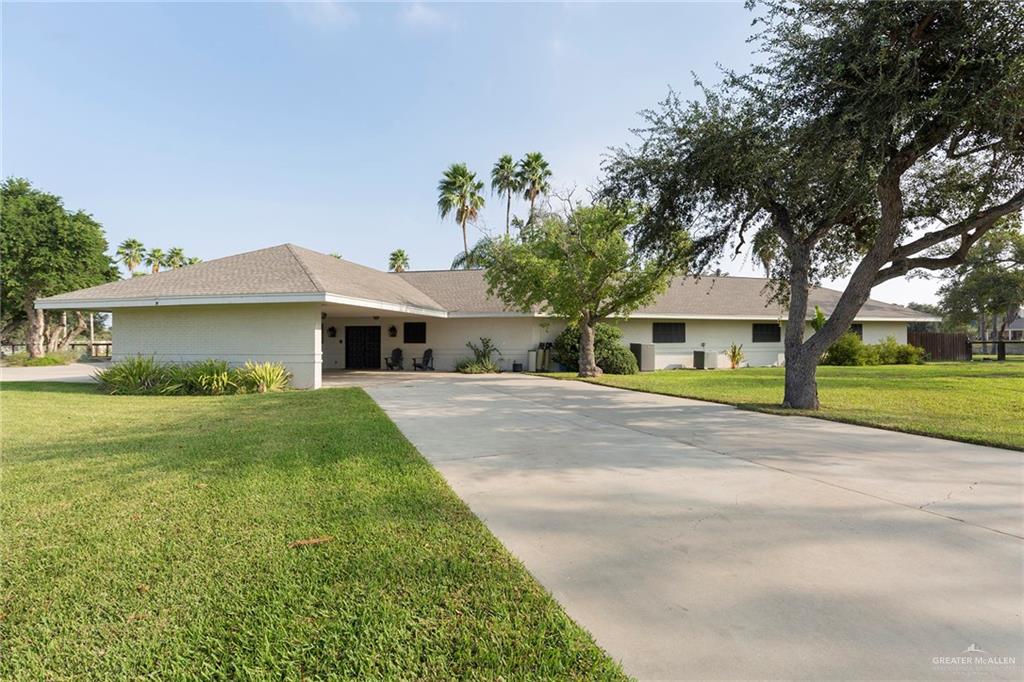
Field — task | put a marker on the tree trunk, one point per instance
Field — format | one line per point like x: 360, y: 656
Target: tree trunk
x: 465, y: 243
x: 801, y: 380
x: 508, y: 214
x: 588, y: 363
x: 34, y: 333
x: 801, y: 358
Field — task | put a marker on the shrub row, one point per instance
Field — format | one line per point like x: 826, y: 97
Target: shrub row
x: 59, y: 357
x: 610, y: 354
x: 145, y: 376
x: 850, y: 350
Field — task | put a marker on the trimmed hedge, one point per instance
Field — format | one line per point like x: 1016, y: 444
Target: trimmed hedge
x: 850, y: 351
x: 611, y: 356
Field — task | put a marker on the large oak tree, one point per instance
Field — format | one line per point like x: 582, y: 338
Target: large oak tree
x: 47, y: 250
x: 874, y: 140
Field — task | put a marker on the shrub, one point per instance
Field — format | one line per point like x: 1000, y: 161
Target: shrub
x: 263, y: 377
x: 849, y: 350
x: 145, y: 376
x: 138, y: 375
x: 60, y: 357
x: 618, y: 360
x: 482, y: 362
x: 607, y: 342
x: 735, y: 355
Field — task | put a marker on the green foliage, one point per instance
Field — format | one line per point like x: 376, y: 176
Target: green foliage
x: 819, y: 319
x: 533, y: 179
x: 46, y: 249
x: 141, y: 375
x: 506, y: 181
x: 398, y: 261
x: 479, y: 256
x: 459, y: 192
x: 991, y: 281
x: 65, y: 357
x: 607, y: 347
x: 735, y: 355
x: 483, y: 358
x: 131, y: 252
x: 579, y: 266
x: 263, y: 377
x: 850, y: 351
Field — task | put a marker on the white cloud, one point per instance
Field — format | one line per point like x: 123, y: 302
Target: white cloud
x: 424, y: 16
x: 325, y: 14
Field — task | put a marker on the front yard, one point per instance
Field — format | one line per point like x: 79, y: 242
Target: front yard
x: 976, y: 402
x: 152, y: 536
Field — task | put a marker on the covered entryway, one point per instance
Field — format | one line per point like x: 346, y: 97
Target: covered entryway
x: 362, y: 347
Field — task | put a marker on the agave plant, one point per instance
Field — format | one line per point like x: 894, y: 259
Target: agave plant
x: 264, y: 377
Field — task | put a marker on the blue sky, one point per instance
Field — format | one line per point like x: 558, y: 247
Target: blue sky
x: 222, y: 128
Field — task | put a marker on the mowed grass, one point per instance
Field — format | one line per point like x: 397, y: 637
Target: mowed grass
x: 149, y: 537
x: 976, y: 402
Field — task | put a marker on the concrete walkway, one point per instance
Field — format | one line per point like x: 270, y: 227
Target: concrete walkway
x: 695, y: 540
x: 75, y: 372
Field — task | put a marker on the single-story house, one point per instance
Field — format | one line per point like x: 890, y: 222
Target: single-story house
x: 312, y: 311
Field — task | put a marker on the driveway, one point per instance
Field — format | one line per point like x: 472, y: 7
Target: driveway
x: 695, y: 540
x: 75, y: 372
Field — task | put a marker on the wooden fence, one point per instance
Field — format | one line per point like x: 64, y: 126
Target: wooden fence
x: 942, y: 345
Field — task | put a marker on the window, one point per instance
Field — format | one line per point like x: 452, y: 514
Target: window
x: 415, y: 332
x: 767, y: 333
x: 858, y: 329
x: 669, y: 332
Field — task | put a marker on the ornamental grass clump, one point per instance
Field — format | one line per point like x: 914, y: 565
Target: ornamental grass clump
x: 145, y: 376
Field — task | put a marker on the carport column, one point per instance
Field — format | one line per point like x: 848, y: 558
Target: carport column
x: 306, y: 372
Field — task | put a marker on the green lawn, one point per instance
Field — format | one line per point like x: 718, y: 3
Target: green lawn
x: 977, y: 402
x: 149, y: 536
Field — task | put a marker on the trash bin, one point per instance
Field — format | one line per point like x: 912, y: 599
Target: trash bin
x: 644, y: 354
x: 531, y: 361
x: 517, y: 367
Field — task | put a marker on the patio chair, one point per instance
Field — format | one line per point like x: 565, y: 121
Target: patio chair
x: 395, y: 361
x: 426, y: 363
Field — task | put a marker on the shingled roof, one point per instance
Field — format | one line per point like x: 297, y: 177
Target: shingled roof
x: 289, y: 272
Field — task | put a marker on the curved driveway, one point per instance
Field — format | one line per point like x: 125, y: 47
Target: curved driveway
x: 695, y: 540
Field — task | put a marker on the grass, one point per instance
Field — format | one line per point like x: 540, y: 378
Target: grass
x: 149, y: 537
x: 65, y: 357
x: 975, y: 402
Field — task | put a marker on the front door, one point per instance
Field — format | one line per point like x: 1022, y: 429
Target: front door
x: 362, y: 347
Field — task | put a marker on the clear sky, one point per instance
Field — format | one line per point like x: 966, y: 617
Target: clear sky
x: 222, y: 128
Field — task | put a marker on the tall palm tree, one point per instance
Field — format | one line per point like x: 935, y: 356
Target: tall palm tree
x: 534, y: 173
x: 193, y: 260
x: 476, y: 258
x: 176, y: 257
x: 459, y: 192
x: 505, y: 181
x: 398, y: 261
x: 156, y: 258
x: 131, y: 252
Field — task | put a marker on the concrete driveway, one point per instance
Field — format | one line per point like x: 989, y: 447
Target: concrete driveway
x: 75, y: 372
x: 695, y: 540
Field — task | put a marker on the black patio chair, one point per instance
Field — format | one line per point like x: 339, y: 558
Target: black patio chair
x: 395, y: 361
x: 427, y: 363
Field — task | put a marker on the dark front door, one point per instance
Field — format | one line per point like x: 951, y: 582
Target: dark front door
x: 362, y: 347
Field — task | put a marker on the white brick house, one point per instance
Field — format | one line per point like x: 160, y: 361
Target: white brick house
x: 313, y: 312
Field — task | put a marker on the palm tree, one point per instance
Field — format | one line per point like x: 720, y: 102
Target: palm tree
x: 534, y: 173
x: 131, y: 252
x: 459, y: 191
x: 176, y: 257
x: 476, y: 258
x: 505, y: 181
x: 193, y: 260
x: 156, y: 258
x: 398, y: 261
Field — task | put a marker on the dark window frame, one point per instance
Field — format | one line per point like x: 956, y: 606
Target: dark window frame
x: 770, y: 332
x: 419, y: 334
x: 670, y: 332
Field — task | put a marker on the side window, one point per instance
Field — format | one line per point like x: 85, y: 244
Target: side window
x: 669, y: 332
x: 415, y: 332
x: 767, y: 333
x: 858, y: 329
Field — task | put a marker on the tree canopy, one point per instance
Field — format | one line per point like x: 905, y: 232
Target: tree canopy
x: 871, y: 134
x: 46, y: 250
x: 580, y: 266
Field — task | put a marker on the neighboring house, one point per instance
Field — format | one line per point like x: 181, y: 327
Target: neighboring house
x: 312, y: 311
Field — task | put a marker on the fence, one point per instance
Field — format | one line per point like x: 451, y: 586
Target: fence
x: 100, y: 349
x: 942, y: 345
